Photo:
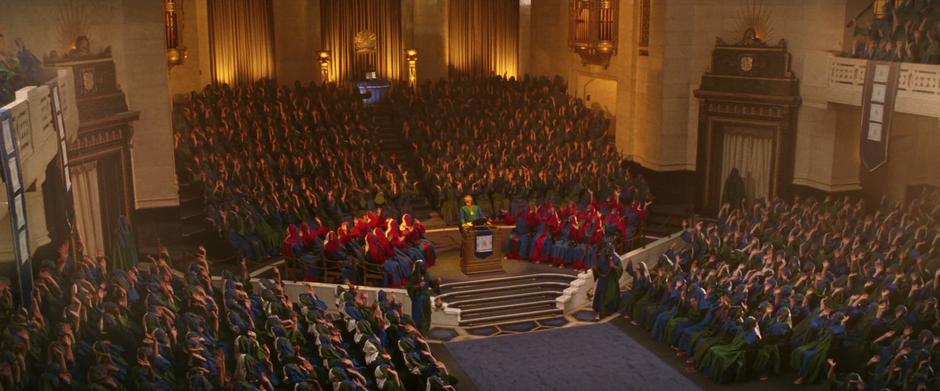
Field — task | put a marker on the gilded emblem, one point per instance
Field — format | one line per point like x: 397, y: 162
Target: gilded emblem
x: 747, y: 63
x: 88, y: 81
x: 365, y: 42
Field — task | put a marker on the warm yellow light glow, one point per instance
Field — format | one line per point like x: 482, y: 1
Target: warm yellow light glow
x: 324, y: 59
x: 483, y: 37
x: 411, y: 56
x: 363, y: 36
x: 241, y: 40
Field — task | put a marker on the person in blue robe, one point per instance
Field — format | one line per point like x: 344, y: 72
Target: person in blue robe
x: 520, y: 243
x: 607, y: 284
x: 639, y: 288
x: 419, y: 290
x: 562, y: 246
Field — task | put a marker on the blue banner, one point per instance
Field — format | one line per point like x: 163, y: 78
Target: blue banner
x: 484, y: 242
x: 16, y: 198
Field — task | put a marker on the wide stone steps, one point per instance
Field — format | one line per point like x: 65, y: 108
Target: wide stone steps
x: 664, y: 220
x: 390, y: 140
x: 506, y: 299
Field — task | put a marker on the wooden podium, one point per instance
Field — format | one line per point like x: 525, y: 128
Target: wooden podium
x: 482, y: 249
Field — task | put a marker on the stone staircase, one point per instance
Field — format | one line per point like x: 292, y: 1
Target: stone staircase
x: 506, y: 299
x: 391, y: 141
x: 195, y: 227
x: 665, y: 220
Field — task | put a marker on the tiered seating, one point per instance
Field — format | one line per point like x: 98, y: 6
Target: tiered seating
x: 511, y: 143
x: 905, y: 30
x: 372, y: 250
x: 832, y: 291
x: 160, y: 329
x: 272, y: 156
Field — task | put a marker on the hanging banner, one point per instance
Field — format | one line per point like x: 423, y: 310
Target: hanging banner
x: 878, y: 97
x: 16, y: 199
x: 58, y: 119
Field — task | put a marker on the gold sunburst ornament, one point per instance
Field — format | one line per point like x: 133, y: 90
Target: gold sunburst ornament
x: 753, y: 15
x: 365, y: 42
x: 72, y: 21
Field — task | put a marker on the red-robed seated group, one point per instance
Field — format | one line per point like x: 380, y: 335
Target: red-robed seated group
x: 571, y: 236
x: 386, y: 247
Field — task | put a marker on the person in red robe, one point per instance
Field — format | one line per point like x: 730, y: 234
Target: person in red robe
x: 374, y: 250
x: 414, y: 232
x: 386, y: 246
x: 294, y: 238
x: 543, y: 247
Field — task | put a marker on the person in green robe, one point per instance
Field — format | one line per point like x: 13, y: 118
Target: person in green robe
x: 734, y: 190
x: 124, y: 249
x: 723, y: 333
x: 809, y: 359
x: 728, y: 363
x: 469, y: 212
x: 767, y: 361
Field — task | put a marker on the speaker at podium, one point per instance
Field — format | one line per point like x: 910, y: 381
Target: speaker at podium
x: 482, y: 248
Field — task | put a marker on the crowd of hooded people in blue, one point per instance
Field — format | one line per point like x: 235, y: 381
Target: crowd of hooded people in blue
x: 831, y: 290
x: 155, y: 328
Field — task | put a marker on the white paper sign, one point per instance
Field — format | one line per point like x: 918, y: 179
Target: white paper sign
x: 24, y: 247
x: 877, y: 113
x: 484, y: 243
x: 7, y: 137
x: 881, y: 73
x: 874, y: 132
x: 14, y: 176
x: 55, y: 98
x: 18, y: 207
x: 878, y: 92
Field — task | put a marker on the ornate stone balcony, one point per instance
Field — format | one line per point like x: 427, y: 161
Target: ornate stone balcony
x: 829, y: 78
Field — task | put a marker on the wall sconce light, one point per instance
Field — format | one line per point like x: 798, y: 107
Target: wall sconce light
x: 323, y: 57
x: 411, y: 55
x: 176, y: 54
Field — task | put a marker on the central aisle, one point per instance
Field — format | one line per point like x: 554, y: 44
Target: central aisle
x: 596, y: 357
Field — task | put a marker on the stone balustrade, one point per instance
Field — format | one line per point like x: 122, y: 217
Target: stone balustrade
x: 830, y: 78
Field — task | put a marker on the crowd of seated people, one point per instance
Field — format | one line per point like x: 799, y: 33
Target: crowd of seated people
x: 272, y: 156
x: 392, y: 244
x: 909, y: 31
x: 510, y: 143
x: 573, y: 235
x: 826, y: 290
x: 155, y: 328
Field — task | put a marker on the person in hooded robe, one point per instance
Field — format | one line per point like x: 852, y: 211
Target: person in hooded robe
x: 124, y: 250
x: 809, y: 359
x: 728, y: 363
x: 607, y: 274
x: 419, y: 290
x: 734, y: 190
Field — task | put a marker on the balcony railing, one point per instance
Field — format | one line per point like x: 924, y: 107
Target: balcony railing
x: 832, y: 79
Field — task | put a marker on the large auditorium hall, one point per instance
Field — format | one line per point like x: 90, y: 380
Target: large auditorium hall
x: 444, y: 195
